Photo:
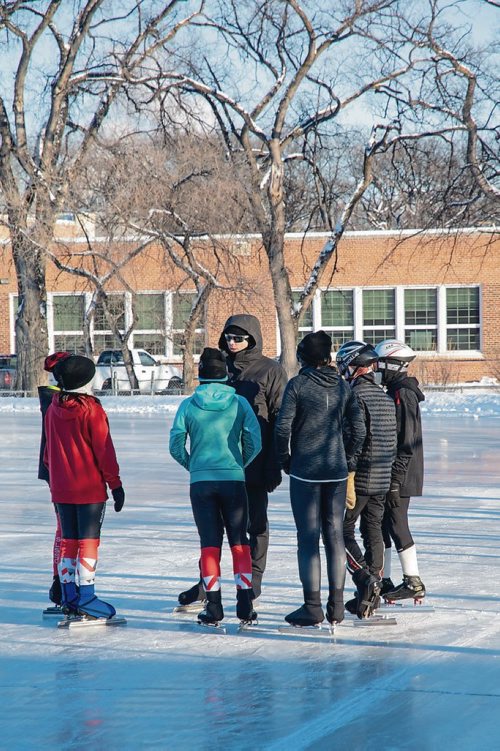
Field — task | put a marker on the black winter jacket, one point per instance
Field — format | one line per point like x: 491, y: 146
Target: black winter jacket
x: 45, y: 394
x: 408, y: 467
x: 262, y: 382
x: 374, y: 460
x: 318, y: 409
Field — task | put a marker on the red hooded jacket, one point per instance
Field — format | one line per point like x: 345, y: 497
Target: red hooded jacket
x: 79, y: 452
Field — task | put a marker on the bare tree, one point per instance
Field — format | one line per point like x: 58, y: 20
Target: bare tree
x: 282, y: 75
x: 65, y: 72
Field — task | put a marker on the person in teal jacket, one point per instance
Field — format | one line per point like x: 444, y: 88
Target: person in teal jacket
x: 224, y: 437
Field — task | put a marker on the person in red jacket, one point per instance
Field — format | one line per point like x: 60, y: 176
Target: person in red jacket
x: 81, y: 460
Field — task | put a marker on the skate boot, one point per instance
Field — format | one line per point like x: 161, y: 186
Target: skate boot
x: 412, y: 587
x: 195, y: 594
x: 213, y: 612
x: 335, y: 607
x: 69, y: 598
x: 244, y: 605
x: 90, y: 605
x: 55, y: 592
x: 310, y: 613
x: 352, y: 606
x: 368, y: 596
x: 387, y: 586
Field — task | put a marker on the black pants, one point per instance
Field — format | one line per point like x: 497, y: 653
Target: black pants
x: 81, y: 521
x: 371, y: 510
x: 395, y: 526
x: 219, y: 505
x: 258, y: 532
x: 318, y: 509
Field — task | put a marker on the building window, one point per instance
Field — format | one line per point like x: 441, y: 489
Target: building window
x: 103, y: 335
x: 337, y: 315
x: 182, y: 303
x: 379, y: 315
x: 421, y: 319
x: 462, y: 318
x: 68, y: 314
x: 149, y: 332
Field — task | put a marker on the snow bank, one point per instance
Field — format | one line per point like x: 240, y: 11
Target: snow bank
x: 477, y: 404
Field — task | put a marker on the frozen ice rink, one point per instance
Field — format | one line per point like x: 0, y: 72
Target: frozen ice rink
x: 432, y: 682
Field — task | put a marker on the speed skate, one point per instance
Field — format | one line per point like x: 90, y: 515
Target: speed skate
x: 86, y: 621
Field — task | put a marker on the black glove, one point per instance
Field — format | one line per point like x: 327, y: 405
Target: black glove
x: 118, y: 497
x: 273, y: 478
x: 393, y: 498
x: 286, y: 466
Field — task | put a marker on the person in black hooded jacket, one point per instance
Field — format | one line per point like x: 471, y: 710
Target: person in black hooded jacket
x: 319, y: 430
x: 407, y: 471
x: 261, y: 381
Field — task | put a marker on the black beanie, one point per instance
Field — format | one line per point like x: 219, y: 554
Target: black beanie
x: 73, y: 372
x: 212, y: 366
x: 315, y: 348
x: 236, y: 330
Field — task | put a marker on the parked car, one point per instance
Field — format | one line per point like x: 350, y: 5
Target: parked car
x: 154, y: 377
x: 8, y: 366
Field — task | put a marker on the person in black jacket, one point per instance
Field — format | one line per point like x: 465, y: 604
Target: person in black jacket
x: 407, y: 471
x: 318, y: 409
x: 261, y: 381
x: 356, y: 361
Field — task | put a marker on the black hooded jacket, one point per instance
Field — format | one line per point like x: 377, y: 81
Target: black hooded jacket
x: 261, y: 381
x: 375, y: 459
x: 408, y: 467
x: 320, y: 426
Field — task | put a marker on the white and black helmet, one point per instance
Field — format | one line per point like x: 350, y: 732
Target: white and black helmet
x: 394, y: 356
x: 355, y: 354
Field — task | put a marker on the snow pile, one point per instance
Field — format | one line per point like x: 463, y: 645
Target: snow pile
x: 482, y: 403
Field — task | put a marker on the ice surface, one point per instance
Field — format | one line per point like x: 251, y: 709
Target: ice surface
x: 431, y: 682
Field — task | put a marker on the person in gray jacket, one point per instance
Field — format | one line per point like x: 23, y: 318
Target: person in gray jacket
x: 356, y: 361
x: 317, y: 413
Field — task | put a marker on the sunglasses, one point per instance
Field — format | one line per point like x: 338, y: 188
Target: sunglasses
x: 238, y: 338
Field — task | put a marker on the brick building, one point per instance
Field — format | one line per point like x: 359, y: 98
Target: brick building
x: 438, y: 291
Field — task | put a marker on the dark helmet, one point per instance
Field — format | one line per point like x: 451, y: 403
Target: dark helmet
x: 356, y: 354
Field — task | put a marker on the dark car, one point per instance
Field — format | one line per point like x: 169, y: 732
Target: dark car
x: 8, y: 365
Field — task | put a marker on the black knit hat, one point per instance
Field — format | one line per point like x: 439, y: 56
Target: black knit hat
x: 73, y: 372
x: 315, y: 348
x: 212, y: 366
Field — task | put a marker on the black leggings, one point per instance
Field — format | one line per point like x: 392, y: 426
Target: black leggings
x: 81, y: 521
x: 371, y: 510
x: 318, y: 508
x: 395, y: 526
x: 217, y: 505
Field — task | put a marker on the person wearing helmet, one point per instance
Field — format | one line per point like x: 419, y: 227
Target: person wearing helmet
x: 356, y: 362
x: 407, y: 471
x: 318, y: 409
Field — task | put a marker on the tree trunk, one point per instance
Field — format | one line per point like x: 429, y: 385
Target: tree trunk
x: 188, y: 369
x: 31, y: 318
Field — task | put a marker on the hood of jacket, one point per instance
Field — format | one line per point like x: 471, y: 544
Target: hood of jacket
x: 248, y: 323
x: 214, y: 397
x: 406, y: 382
x: 325, y: 376
x: 70, y: 406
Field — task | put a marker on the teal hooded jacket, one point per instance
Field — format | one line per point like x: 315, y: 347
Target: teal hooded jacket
x: 224, y: 435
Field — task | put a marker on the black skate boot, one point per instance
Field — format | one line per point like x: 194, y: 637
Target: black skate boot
x: 310, y: 613
x: 411, y: 588
x: 195, y: 594
x: 335, y: 607
x: 368, y: 596
x: 387, y: 586
x: 244, y: 606
x: 55, y: 593
x: 352, y: 606
x: 213, y: 612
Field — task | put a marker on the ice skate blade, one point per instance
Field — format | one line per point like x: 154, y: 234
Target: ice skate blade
x: 406, y: 607
x: 83, y: 621
x: 301, y: 629
x: 53, y: 610
x: 381, y: 620
x: 193, y: 607
x: 247, y: 625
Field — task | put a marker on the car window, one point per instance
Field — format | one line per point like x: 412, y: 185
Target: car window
x: 146, y: 359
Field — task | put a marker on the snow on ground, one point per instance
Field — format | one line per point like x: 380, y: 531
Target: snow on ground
x: 431, y: 682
